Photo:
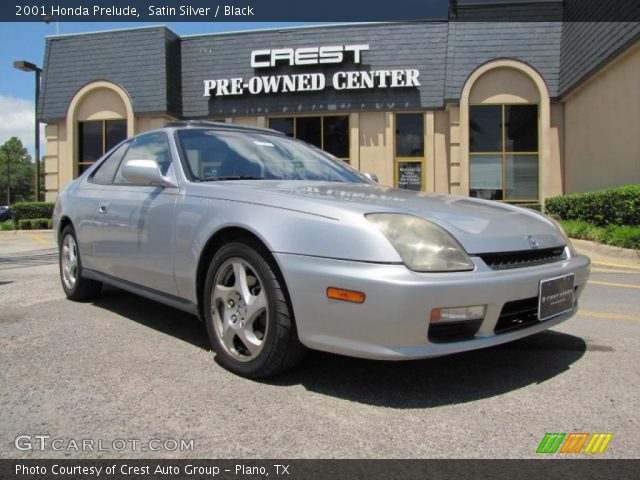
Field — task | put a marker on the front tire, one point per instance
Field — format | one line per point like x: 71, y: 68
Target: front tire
x: 248, y: 318
x: 75, y: 286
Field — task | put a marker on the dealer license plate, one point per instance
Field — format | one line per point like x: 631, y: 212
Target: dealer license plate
x: 555, y: 296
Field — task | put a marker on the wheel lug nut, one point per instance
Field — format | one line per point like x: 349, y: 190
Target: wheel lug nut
x: 231, y: 303
x: 233, y: 318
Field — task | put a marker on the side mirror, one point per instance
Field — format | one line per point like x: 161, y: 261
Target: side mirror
x: 372, y: 176
x: 145, y: 172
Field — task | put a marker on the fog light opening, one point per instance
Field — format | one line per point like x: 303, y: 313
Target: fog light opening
x: 457, y: 314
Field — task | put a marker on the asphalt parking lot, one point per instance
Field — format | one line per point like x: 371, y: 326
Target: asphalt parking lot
x: 127, y: 368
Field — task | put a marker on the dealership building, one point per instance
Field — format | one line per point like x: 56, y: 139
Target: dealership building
x: 506, y: 110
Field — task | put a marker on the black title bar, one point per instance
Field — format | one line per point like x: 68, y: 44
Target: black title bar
x: 222, y: 10
x: 317, y: 11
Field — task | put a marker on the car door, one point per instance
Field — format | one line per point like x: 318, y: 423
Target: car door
x: 89, y: 223
x: 136, y: 234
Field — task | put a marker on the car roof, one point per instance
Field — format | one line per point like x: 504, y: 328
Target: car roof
x: 180, y: 124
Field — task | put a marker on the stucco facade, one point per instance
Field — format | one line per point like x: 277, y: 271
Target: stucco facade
x: 601, y: 141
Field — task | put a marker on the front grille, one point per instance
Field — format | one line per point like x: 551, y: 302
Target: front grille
x: 528, y: 258
x: 517, y: 314
x: 453, y: 331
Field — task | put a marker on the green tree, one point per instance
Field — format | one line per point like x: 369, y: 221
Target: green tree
x: 15, y: 163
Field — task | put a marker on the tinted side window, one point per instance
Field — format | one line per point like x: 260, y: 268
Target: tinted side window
x: 284, y: 125
x: 107, y: 169
x: 309, y: 129
x: 410, y: 135
x: 485, y: 128
x: 521, y: 123
x: 154, y: 146
x: 114, y: 132
x: 336, y: 136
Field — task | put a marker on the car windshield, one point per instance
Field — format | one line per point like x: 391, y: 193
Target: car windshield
x: 216, y: 155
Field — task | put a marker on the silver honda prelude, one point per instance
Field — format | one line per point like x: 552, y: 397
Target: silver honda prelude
x: 279, y: 247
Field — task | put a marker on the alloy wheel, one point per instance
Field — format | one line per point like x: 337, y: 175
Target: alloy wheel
x: 69, y: 259
x: 239, y: 307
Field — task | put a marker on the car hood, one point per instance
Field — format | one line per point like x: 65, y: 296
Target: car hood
x: 480, y: 226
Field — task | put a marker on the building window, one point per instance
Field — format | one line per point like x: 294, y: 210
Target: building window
x: 284, y: 125
x: 409, y: 151
x: 503, y: 148
x: 97, y: 138
x: 328, y: 132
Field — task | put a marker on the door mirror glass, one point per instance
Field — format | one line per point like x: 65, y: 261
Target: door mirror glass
x: 372, y: 176
x: 145, y: 172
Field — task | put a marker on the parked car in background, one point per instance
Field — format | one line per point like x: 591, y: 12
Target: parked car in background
x: 279, y: 247
x: 5, y: 213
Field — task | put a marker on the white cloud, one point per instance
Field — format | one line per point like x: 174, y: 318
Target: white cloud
x: 16, y: 120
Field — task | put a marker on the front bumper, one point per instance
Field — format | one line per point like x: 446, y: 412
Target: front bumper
x: 393, y: 321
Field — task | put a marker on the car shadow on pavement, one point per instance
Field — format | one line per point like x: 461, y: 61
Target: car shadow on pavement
x: 452, y: 379
x: 157, y: 316
x: 447, y: 380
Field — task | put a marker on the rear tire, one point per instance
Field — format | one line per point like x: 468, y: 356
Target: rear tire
x: 75, y: 286
x: 248, y: 318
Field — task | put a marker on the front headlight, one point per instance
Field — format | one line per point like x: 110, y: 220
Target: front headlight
x: 564, y: 234
x: 423, y: 246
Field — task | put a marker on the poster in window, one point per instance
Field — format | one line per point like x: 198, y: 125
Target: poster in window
x: 410, y: 175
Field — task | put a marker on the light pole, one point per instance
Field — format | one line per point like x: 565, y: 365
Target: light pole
x: 49, y: 18
x: 8, y: 180
x: 30, y: 67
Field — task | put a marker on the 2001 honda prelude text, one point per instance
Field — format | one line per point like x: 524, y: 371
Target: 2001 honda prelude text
x: 279, y: 247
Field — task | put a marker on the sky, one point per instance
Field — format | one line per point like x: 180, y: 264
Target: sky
x: 25, y: 41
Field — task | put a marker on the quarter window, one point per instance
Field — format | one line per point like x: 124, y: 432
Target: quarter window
x: 328, y: 132
x: 409, y: 151
x: 503, y: 148
x: 107, y: 169
x: 96, y: 138
x: 153, y: 146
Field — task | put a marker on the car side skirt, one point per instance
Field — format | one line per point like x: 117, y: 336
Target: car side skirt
x: 155, y: 295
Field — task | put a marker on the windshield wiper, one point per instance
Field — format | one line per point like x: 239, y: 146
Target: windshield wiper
x: 229, y: 177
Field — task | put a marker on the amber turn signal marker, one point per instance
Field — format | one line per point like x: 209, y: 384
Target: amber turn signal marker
x: 346, y: 295
x: 436, y: 315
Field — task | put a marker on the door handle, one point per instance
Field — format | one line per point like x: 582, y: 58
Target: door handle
x: 104, y: 208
